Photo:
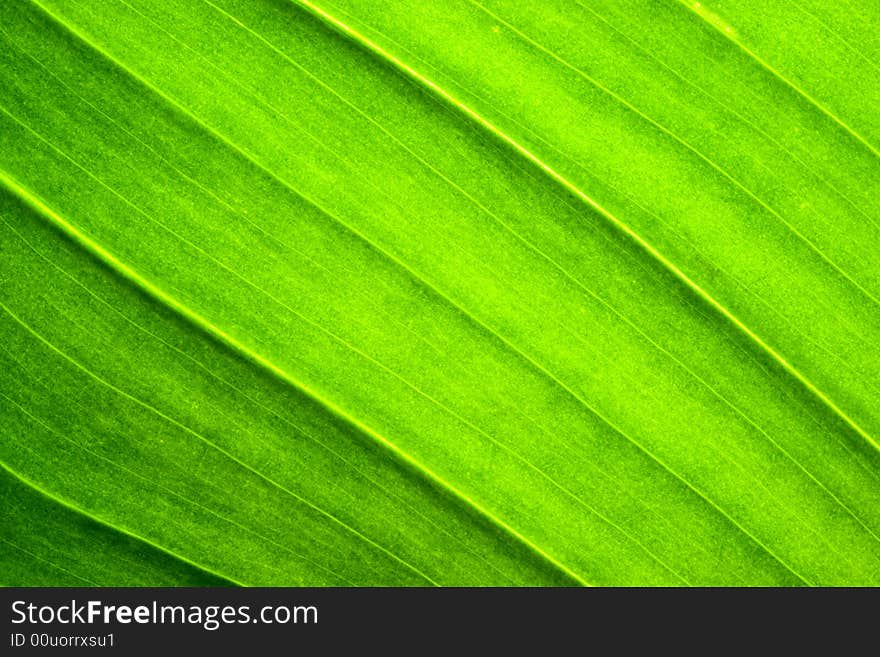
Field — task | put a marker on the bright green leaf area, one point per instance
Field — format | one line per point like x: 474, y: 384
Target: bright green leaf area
x: 395, y: 292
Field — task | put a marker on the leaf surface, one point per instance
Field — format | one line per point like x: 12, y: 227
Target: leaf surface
x: 471, y: 293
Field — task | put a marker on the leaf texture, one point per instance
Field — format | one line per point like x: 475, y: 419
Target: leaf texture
x: 463, y: 293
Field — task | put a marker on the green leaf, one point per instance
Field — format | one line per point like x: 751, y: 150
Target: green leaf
x: 464, y: 293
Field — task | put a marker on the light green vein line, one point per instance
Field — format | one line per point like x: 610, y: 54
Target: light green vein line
x: 54, y: 565
x: 256, y: 402
x: 231, y: 457
x: 516, y: 351
x: 152, y: 150
x: 222, y: 492
x: 544, y: 372
x: 646, y: 52
x: 67, y: 505
x: 515, y: 163
x: 694, y: 248
x: 813, y: 247
x: 181, y: 173
x: 196, y: 319
x: 205, y: 440
x: 135, y: 474
x: 779, y: 76
x: 827, y: 28
x: 577, y: 192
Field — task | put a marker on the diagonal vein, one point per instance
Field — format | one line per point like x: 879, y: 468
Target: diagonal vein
x: 517, y: 160
x: 858, y: 53
x: 54, y: 565
x: 533, y: 162
x: 232, y: 386
x: 137, y: 475
x: 16, y: 188
x: 703, y: 92
x: 379, y: 190
x: 85, y: 240
x: 206, y: 326
x: 702, y: 156
x: 210, y: 443
x: 775, y: 73
x: 81, y: 512
x: 522, y: 35
x: 44, y: 209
